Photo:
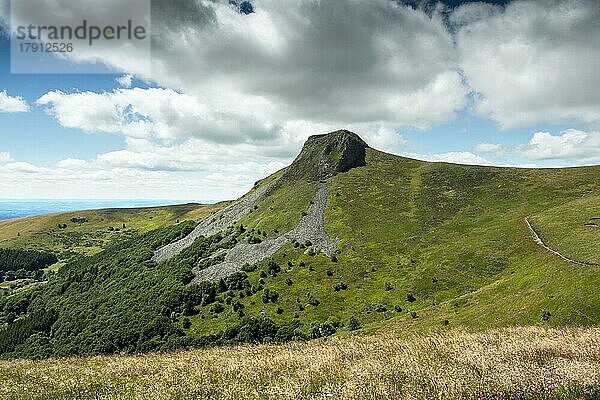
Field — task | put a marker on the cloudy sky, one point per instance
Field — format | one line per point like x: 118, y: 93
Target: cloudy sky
x: 233, y: 92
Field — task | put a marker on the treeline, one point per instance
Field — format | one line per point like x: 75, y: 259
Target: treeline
x: 119, y: 300
x: 27, y: 260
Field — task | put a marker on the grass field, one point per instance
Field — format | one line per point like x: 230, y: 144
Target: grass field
x: 454, y: 236
x: 511, y: 363
x: 573, y: 229
x: 42, y: 232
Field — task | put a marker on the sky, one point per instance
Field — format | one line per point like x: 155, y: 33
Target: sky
x: 232, y: 91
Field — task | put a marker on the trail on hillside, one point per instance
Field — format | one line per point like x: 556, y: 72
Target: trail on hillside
x: 539, y: 241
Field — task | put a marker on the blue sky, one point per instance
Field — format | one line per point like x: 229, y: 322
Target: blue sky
x: 237, y: 98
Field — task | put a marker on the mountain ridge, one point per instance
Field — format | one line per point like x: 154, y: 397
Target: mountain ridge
x: 417, y: 245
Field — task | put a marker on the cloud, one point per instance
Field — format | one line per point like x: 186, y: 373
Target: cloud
x: 378, y: 62
x: 455, y: 157
x: 572, y: 145
x: 532, y: 61
x: 489, y: 148
x: 9, y: 104
x: 153, y: 113
x: 72, y: 163
x: 125, y: 80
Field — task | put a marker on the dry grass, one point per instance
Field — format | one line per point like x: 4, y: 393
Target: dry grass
x: 528, y: 362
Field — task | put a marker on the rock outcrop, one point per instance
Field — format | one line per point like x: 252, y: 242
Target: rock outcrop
x: 324, y: 156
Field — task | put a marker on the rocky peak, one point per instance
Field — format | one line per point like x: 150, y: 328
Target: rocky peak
x: 323, y: 156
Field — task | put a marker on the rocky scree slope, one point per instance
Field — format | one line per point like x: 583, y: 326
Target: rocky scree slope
x: 321, y: 158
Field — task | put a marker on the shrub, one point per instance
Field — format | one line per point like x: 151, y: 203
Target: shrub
x: 545, y: 315
x: 312, y: 300
x: 288, y: 282
x: 414, y: 315
x: 273, y: 268
x: 387, y: 286
x: 329, y: 272
x: 397, y: 308
x: 410, y: 298
x: 249, y: 268
x: 334, y: 258
x: 254, y: 240
x: 217, y: 308
x: 186, y: 323
x: 340, y: 286
x: 353, y: 323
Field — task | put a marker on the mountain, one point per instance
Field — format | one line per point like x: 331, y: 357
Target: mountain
x: 344, y: 237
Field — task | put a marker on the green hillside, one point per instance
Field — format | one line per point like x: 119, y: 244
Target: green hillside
x: 573, y: 228
x: 88, y: 231
x: 415, y: 245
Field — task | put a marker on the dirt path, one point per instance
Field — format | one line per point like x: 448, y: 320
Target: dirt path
x: 539, y: 241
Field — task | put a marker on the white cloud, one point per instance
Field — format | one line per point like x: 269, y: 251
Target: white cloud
x: 572, y: 145
x: 125, y: 80
x: 5, y: 157
x: 152, y: 113
x: 72, y: 163
x: 455, y: 157
x: 532, y: 61
x: 488, y: 147
x: 9, y: 104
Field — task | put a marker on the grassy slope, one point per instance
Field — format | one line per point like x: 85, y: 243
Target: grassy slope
x: 533, y: 363
x: 42, y: 231
x: 446, y: 233
x: 454, y: 236
x: 573, y: 228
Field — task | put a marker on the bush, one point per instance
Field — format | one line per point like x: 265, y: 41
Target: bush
x: 397, y: 308
x: 387, y: 286
x: 545, y: 315
x: 288, y: 282
x: 353, y: 323
x: 273, y: 268
x: 270, y: 296
x: 340, y: 286
x: 414, y: 315
x: 254, y: 240
x: 249, y: 268
x: 217, y: 308
x: 312, y: 300
x: 410, y: 298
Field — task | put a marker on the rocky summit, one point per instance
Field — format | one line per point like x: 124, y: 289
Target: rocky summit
x: 324, y: 156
